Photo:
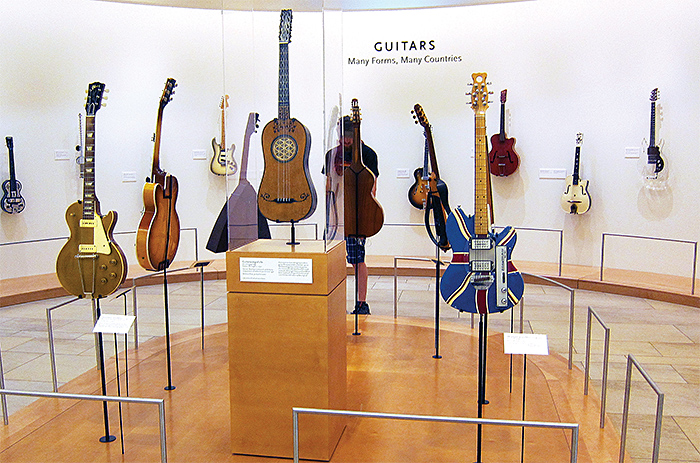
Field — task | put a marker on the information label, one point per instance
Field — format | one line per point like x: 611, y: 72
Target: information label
x: 521, y: 343
x: 271, y: 270
x: 111, y: 323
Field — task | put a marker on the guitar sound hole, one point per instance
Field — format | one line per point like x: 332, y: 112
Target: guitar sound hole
x: 284, y: 148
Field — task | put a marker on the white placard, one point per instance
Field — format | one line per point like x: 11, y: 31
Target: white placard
x: 271, y: 270
x: 111, y: 323
x: 521, y: 343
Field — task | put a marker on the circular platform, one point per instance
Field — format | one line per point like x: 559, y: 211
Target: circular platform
x: 390, y: 369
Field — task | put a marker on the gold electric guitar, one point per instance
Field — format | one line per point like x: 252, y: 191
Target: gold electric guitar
x: 222, y: 162
x: 90, y: 264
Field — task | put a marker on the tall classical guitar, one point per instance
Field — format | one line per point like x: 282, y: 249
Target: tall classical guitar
x: 239, y: 221
x: 158, y: 235
x: 654, y: 171
x: 222, y: 162
x: 481, y: 278
x: 12, y: 200
x: 576, y: 199
x: 90, y: 264
x: 286, y: 193
x: 503, y: 160
x: 364, y: 215
x: 436, y: 195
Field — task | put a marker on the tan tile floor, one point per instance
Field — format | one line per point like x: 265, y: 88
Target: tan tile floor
x: 665, y: 339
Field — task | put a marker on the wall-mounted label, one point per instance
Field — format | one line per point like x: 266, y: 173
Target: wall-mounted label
x: 269, y: 270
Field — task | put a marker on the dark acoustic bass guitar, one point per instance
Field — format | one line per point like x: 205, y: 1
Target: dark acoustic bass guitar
x: 158, y: 235
x: 364, y: 215
x: 91, y: 264
x: 481, y: 278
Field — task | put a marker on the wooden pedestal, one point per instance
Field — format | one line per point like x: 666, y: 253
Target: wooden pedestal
x: 287, y: 348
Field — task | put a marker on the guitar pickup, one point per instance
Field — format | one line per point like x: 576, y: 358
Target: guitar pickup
x: 481, y: 243
x: 481, y: 266
x: 87, y: 223
x: 87, y: 248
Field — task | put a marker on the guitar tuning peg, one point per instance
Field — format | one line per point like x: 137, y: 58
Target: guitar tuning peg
x: 490, y: 93
x: 103, y: 105
x: 488, y: 83
x: 105, y: 98
x: 106, y: 90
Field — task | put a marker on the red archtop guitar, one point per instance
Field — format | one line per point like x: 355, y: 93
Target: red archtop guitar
x: 158, y: 235
x: 503, y: 160
x: 91, y: 264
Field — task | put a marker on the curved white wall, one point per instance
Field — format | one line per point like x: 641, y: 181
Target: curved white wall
x: 577, y: 66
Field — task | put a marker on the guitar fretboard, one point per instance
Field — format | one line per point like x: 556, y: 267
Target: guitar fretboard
x: 575, y: 175
x: 481, y: 173
x: 89, y: 175
x: 652, y: 135
x: 11, y: 151
x: 283, y: 112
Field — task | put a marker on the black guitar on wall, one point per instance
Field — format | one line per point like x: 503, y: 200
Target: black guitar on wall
x: 12, y: 200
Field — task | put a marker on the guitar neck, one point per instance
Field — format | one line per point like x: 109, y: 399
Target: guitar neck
x: 283, y: 98
x: 502, y: 134
x: 11, y: 155
x: 481, y: 180
x: 155, y: 169
x: 652, y: 134
x: 223, y: 127
x: 89, y: 175
x: 431, y: 150
x: 426, y: 160
x: 577, y: 158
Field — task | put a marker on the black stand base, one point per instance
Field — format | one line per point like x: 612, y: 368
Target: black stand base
x: 292, y: 240
x: 107, y: 439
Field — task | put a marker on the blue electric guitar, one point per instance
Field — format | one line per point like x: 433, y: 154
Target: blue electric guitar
x: 481, y: 278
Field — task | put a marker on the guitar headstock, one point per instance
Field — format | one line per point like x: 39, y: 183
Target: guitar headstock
x: 420, y: 117
x: 95, y: 92
x: 355, y: 108
x: 168, y: 92
x: 479, y: 93
x: 253, y: 119
x: 286, y: 26
x: 503, y: 96
x: 9, y: 143
x: 224, y: 102
x: 654, y: 95
x: 579, y: 140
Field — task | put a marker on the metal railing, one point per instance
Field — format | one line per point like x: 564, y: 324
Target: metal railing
x: 443, y: 419
x: 669, y: 240
x: 102, y: 398
x: 606, y: 361
x: 572, y: 311
x: 3, y: 399
x: 626, y: 409
x: 52, y: 348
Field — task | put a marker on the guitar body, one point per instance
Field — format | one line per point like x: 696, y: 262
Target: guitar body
x: 576, y: 199
x: 158, y: 235
x: 654, y: 170
x: 93, y: 272
x: 418, y: 193
x: 222, y: 162
x: 461, y: 287
x: 503, y: 160
x: 286, y: 193
x: 364, y: 215
x: 12, y: 200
